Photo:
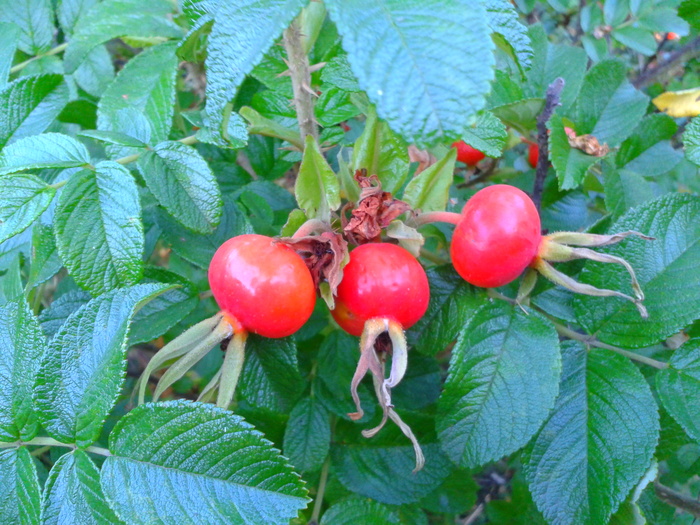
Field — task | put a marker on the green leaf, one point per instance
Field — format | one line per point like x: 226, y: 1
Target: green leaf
x: 48, y: 150
x: 353, y: 510
x: 113, y: 137
x: 668, y: 270
x: 146, y: 84
x: 335, y: 106
x: 199, y: 249
x: 270, y: 376
x: 23, y: 198
x: 452, y: 303
x: 307, y: 437
x: 456, y: 495
x: 551, y: 61
x: 35, y: 20
x: 597, y: 442
x: 338, y: 73
x: 21, y: 492
x: 679, y: 387
x: 384, y: 473
x: 317, y: 189
x: 166, y: 310
x: 45, y: 262
x: 53, y: 317
x: 503, y: 20
x: 21, y: 347
x: 624, y: 190
x: 647, y: 151
x: 184, y: 185
x: 98, y: 228
x: 96, y: 72
x: 382, y: 153
x: 232, y: 53
x: 430, y: 189
x: 571, y: 164
x: 637, y: 38
x: 609, y: 107
x: 70, y: 11
x: 522, y: 115
x: 9, y: 37
x: 116, y: 18
x: 32, y: 104
x: 689, y: 10
x: 196, y: 451
x: 427, y: 93
x: 488, y: 135
x: 83, y: 368
x: 11, y: 279
x: 691, y: 141
x: 489, y: 407
x: 73, y: 493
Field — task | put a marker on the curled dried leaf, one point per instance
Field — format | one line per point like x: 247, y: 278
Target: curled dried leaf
x: 424, y: 158
x: 374, y: 212
x: 586, y: 143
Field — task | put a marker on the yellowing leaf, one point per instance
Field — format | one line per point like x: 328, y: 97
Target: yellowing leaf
x: 677, y: 104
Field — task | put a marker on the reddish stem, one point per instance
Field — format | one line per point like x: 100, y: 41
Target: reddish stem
x: 437, y: 216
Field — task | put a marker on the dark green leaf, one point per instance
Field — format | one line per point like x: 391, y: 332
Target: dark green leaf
x: 20, y: 486
x: 668, y: 270
x: 48, y: 150
x: 597, y: 442
x: 73, y: 494
x: 571, y: 164
x: 116, y: 18
x: 197, y: 451
x: 427, y: 93
x: 689, y: 10
x: 307, y: 438
x: 490, y: 407
x: 456, y: 495
x: 624, y: 190
x: 270, y: 376
x: 53, y: 317
x: 98, y: 228
x: 45, y: 262
x: 383, y: 473
x: 21, y: 347
x: 354, y: 510
x: 334, y: 106
x: 337, y: 72
x: 452, y: 303
x: 522, y: 115
x: 430, y: 190
x: 83, y: 368
x: 35, y: 20
x: 232, y: 53
x: 691, y: 141
x: 31, y: 103
x: 679, y: 387
x: 184, y: 185
x: 23, y: 198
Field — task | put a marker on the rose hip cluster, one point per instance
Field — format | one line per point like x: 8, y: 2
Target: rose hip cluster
x: 264, y: 286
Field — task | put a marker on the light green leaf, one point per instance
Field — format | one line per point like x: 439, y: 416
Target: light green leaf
x: 96, y: 72
x: 83, y: 368
x: 510, y: 33
x: 146, y: 84
x: 679, y: 387
x: 73, y: 494
x: 354, y: 510
x: 48, y: 150
x: 21, y: 492
x: 668, y: 270
x: 98, y: 228
x: 430, y: 189
x: 382, y: 153
x: 21, y: 347
x: 522, y: 115
x: 307, y: 437
x: 691, y: 141
x: 383, y: 473
x: 9, y: 37
x: 45, y: 262
x: 624, y: 190
x: 53, y: 317
x: 113, y: 137
x: 197, y: 451
x: 317, y: 189
x: 70, y: 11
x: 609, y: 107
x: 184, y: 185
x: 597, y: 442
x: 453, y: 302
x: 637, y: 38
x: 23, y: 198
x: 35, y: 20
x: 648, y: 151
x: 490, y: 407
x: 408, y: 57
x: 232, y: 53
x: 571, y: 164
x: 32, y: 103
x: 337, y: 72
x: 116, y: 18
x: 488, y: 135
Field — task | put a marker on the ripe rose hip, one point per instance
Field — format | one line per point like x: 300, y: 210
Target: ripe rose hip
x: 465, y: 153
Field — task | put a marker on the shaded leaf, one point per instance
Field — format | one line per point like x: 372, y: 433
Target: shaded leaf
x: 679, y: 387
x: 23, y: 198
x: 21, y: 492
x: 307, y: 437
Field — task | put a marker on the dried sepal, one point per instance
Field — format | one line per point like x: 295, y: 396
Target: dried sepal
x: 589, y: 144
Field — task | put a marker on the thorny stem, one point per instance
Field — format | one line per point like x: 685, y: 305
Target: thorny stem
x: 318, y: 503
x: 552, y: 100
x: 50, y: 442
x: 298, y: 63
x: 437, y: 216
x: 56, y: 50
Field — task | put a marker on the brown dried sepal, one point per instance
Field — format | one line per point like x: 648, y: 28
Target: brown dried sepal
x: 374, y: 212
x: 586, y: 143
x: 325, y: 255
x: 424, y: 158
